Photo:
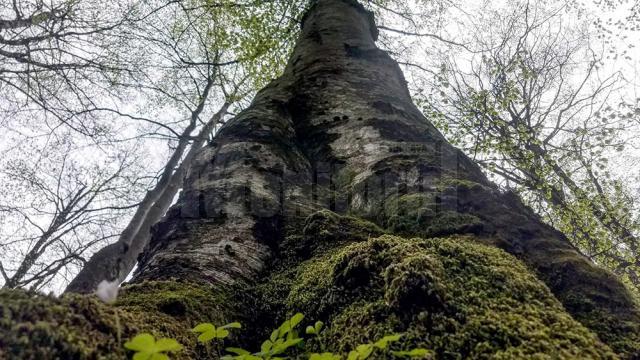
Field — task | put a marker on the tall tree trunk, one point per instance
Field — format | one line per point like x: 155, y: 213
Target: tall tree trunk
x: 287, y: 210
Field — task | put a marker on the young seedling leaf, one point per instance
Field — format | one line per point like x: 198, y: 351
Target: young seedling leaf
x: 205, y: 337
x: 384, y: 342
x: 142, y: 343
x: 167, y: 344
x: 222, y: 333
x: 233, y: 325
x: 310, y: 330
x: 324, y: 356
x: 266, y: 346
x: 141, y: 356
x: 296, y: 319
x: 274, y: 335
x: 147, y: 348
x: 204, y: 327
x: 364, y: 351
x: 159, y: 356
x: 238, y: 351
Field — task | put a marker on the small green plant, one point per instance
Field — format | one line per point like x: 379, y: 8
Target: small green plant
x: 208, y: 331
x: 315, y: 330
x: 363, y: 351
x: 282, y: 340
x: 146, y: 347
x: 325, y: 356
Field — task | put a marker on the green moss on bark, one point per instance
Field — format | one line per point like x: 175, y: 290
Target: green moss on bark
x: 324, y: 230
x: 35, y: 326
x: 418, y: 215
x: 452, y: 295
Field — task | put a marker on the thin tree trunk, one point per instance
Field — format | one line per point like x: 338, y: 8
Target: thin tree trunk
x: 283, y: 213
x: 115, y: 261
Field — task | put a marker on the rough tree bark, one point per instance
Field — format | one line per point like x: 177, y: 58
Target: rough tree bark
x: 333, y: 195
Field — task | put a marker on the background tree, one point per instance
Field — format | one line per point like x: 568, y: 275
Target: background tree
x: 57, y: 57
x: 537, y: 104
x: 175, y: 64
x: 65, y: 207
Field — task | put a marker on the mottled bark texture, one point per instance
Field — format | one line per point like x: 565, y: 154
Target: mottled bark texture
x: 290, y: 203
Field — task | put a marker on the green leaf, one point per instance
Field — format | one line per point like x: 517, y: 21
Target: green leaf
x: 384, y: 342
x: 205, y: 337
x: 284, y: 328
x: 293, y: 334
x: 141, y: 356
x: 222, y: 333
x: 296, y: 319
x: 147, y: 348
x: 324, y: 356
x: 159, y: 356
x: 283, y: 346
x: 310, y: 330
x: 233, y: 325
x: 238, y: 351
x: 141, y: 342
x: 266, y: 346
x: 364, y: 351
x: 204, y: 327
x: 274, y: 335
x: 167, y: 344
x: 288, y: 325
x: 209, y: 331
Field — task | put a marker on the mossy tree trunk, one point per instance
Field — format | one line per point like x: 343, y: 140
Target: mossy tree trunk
x: 313, y: 200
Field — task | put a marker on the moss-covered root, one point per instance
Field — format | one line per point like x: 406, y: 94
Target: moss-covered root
x: 452, y: 295
x: 35, y: 326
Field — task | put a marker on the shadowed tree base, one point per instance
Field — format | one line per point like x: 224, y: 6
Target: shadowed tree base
x: 288, y: 211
